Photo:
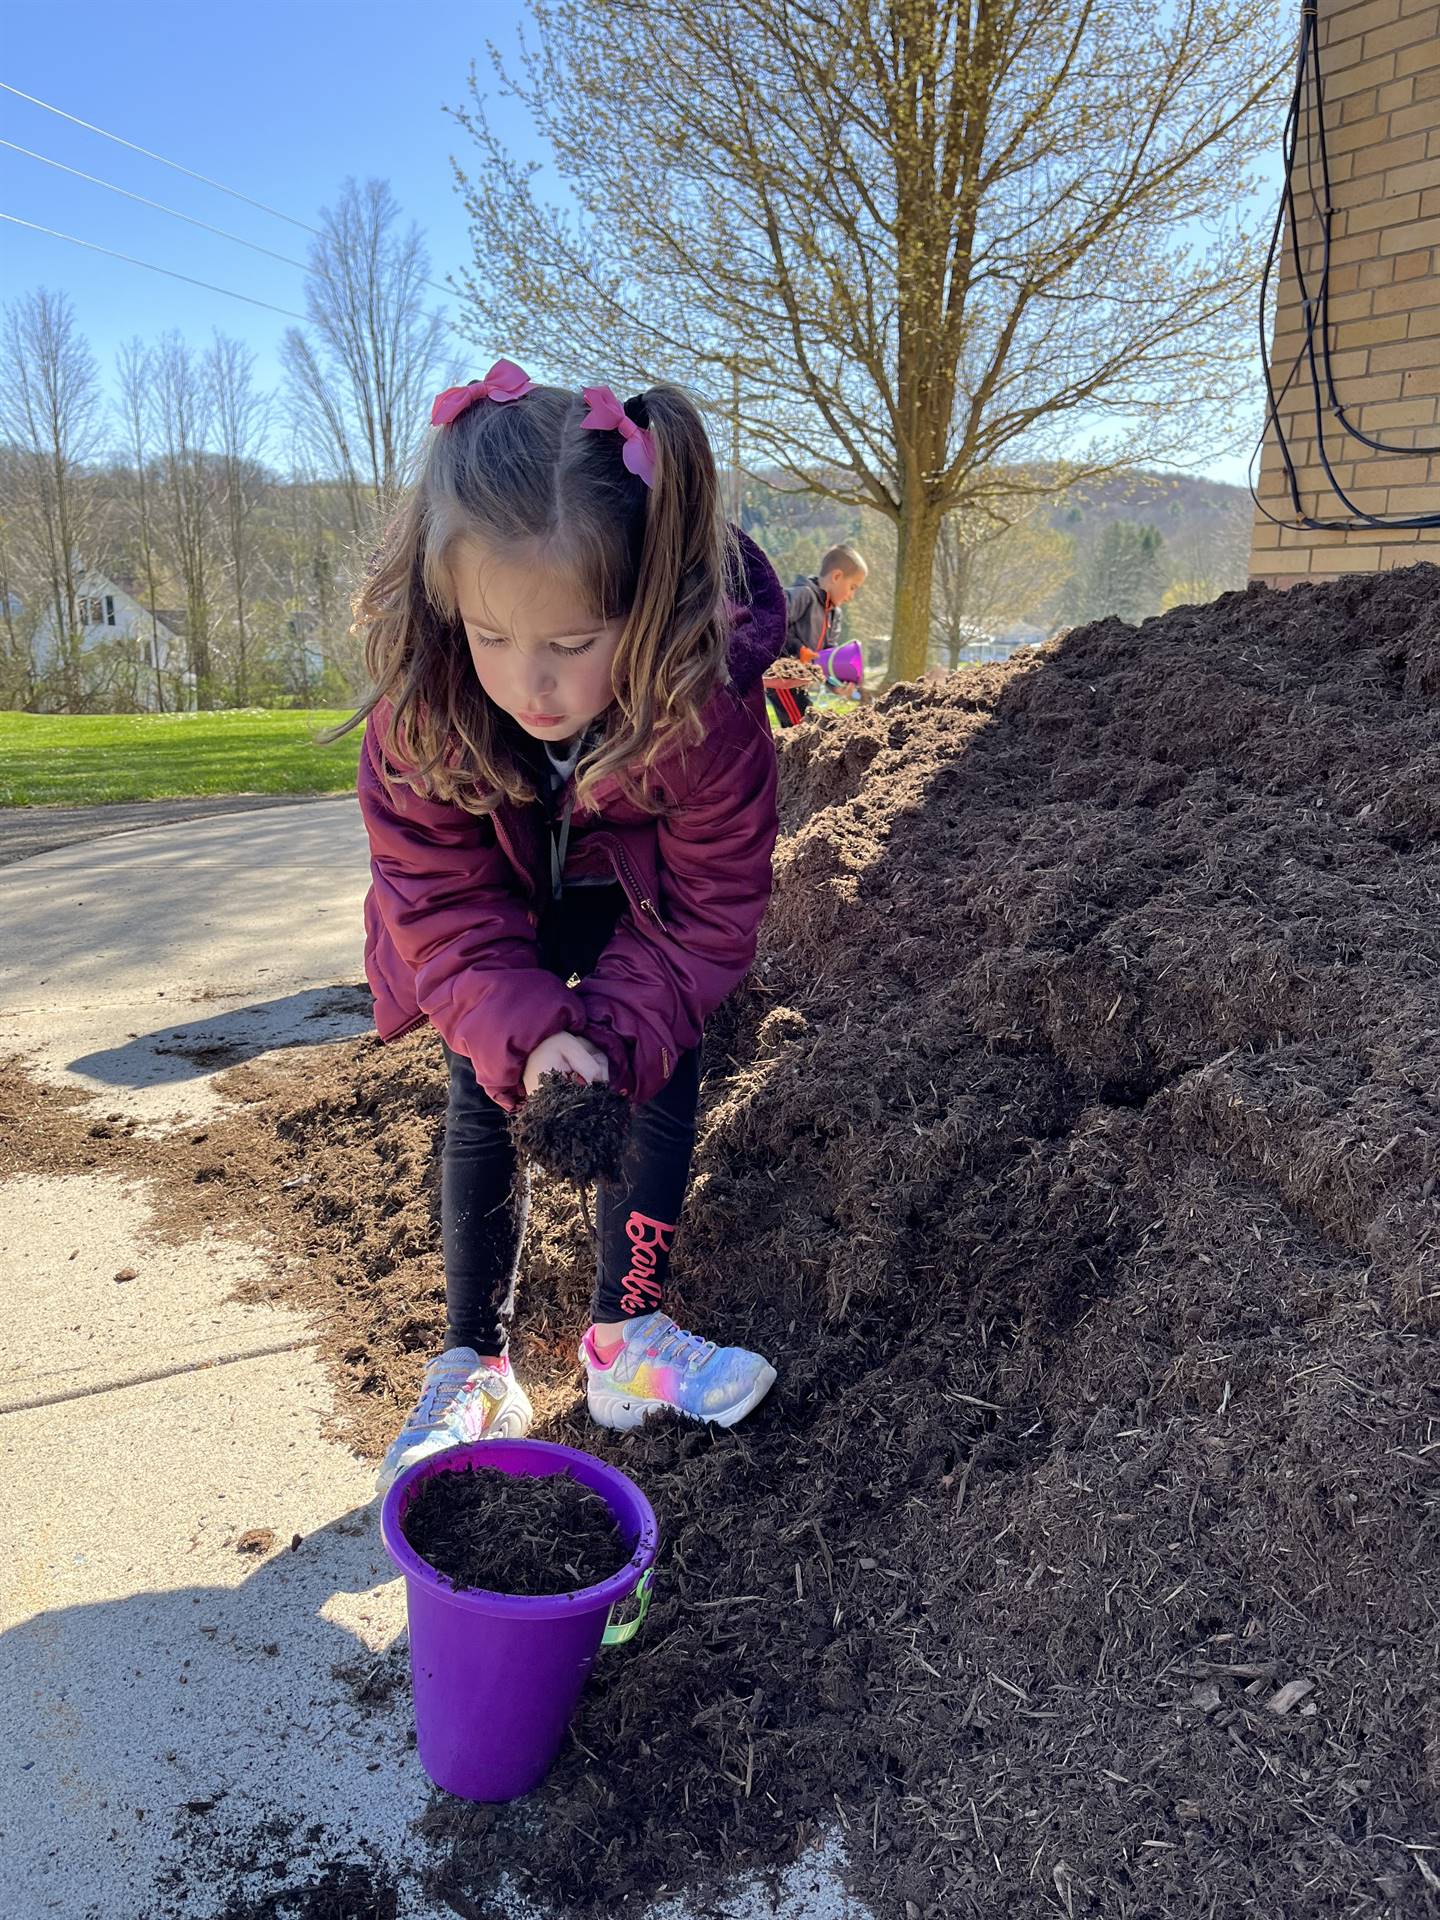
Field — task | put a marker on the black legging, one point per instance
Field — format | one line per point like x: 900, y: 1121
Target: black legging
x: 484, y: 1194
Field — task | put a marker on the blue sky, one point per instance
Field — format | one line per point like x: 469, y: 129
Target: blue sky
x: 278, y: 101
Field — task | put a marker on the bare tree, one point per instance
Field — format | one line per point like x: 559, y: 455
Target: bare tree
x: 989, y: 574
x: 1210, y: 554
x: 50, y: 410
x: 308, y: 556
x: 18, y: 618
x: 934, y: 242
x: 134, y: 373
x: 242, y: 424
x: 360, y: 389
x: 184, y: 417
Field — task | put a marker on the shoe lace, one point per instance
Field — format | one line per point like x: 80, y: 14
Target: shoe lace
x: 686, y: 1349
x: 442, y: 1386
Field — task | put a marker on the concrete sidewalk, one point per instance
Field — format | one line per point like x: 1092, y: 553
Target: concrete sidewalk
x: 166, y: 1653
x: 140, y: 965
x: 199, y: 1635
x: 26, y: 831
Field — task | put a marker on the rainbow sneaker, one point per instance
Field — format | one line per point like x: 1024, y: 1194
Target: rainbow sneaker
x: 463, y: 1398
x: 657, y: 1366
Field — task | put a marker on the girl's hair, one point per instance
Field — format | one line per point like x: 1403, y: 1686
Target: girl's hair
x: 524, y: 481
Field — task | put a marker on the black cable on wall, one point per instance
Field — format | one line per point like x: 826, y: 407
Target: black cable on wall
x: 1315, y: 352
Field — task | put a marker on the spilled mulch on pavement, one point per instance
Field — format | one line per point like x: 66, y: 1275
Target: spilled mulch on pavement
x: 1072, y: 1150
x: 344, y: 1891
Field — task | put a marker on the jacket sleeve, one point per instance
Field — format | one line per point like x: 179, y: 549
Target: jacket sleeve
x: 796, y: 622
x: 449, y: 902
x: 658, y: 980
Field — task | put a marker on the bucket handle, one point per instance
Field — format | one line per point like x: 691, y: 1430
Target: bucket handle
x: 618, y: 1632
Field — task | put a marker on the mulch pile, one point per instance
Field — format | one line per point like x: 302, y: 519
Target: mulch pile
x: 512, y: 1533
x: 1072, y: 1150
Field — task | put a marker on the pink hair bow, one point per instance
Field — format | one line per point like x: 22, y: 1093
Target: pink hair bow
x: 607, y: 415
x: 505, y: 381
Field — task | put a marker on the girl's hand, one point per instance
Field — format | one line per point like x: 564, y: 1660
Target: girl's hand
x: 565, y: 1053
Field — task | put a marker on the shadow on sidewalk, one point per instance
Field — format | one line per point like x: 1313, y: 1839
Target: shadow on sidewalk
x: 200, y: 1047
x: 180, y: 1753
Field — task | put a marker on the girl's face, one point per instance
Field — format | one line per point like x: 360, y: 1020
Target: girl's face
x: 539, y: 654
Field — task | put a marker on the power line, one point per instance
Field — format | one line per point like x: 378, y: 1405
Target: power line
x: 190, y: 172
x: 219, y: 185
x: 150, y: 266
x: 158, y: 205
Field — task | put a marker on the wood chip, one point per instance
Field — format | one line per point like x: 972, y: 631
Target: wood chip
x: 1290, y: 1695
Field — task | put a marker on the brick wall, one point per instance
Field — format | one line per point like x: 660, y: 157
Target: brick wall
x: 1381, y: 66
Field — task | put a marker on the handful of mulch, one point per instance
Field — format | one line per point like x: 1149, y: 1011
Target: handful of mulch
x: 573, y: 1131
x: 788, y: 672
x: 514, y: 1533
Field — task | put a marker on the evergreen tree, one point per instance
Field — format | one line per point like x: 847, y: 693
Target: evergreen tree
x: 1123, y: 573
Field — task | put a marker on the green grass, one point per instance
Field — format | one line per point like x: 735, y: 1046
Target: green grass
x: 81, y: 760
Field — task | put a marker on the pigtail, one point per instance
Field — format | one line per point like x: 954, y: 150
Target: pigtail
x: 673, y: 654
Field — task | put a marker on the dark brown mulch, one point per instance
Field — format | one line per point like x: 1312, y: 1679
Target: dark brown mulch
x: 514, y: 1533
x: 573, y: 1131
x: 1072, y: 1150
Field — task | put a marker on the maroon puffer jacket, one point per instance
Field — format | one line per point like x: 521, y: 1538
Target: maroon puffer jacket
x: 455, y: 899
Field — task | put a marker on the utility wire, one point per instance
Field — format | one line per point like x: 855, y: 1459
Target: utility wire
x: 205, y: 179
x: 175, y: 213
x: 35, y: 227
x: 158, y: 205
x: 190, y: 172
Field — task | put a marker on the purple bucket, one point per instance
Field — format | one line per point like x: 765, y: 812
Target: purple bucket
x: 845, y: 662
x: 497, y: 1677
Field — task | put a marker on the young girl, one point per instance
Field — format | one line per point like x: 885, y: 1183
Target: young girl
x: 569, y: 788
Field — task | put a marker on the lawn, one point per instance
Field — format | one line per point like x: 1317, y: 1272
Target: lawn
x: 78, y: 760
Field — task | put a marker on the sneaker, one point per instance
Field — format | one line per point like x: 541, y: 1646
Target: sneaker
x: 463, y: 1398
x: 658, y: 1366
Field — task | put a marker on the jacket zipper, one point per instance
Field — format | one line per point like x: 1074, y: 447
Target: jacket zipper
x: 645, y: 906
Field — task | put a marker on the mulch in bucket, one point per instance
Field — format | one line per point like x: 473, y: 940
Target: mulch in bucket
x: 497, y: 1676
x: 511, y: 1533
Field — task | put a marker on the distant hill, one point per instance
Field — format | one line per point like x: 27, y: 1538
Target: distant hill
x: 1203, y: 549
x: 1159, y: 499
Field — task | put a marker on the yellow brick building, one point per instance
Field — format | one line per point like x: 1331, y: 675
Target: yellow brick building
x: 1380, y: 65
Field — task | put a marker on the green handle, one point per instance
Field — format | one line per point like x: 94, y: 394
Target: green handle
x: 617, y: 1632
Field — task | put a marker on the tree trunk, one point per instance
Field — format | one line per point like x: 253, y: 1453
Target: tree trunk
x: 914, y: 590
x: 149, y: 552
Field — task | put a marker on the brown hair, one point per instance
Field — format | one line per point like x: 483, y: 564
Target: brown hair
x: 525, y: 480
x: 842, y: 560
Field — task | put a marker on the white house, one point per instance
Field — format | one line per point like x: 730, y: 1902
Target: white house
x: 110, y: 611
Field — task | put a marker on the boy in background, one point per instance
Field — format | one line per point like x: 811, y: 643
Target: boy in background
x: 813, y: 622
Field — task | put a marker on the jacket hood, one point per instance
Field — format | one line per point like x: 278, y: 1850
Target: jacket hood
x: 758, y: 636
